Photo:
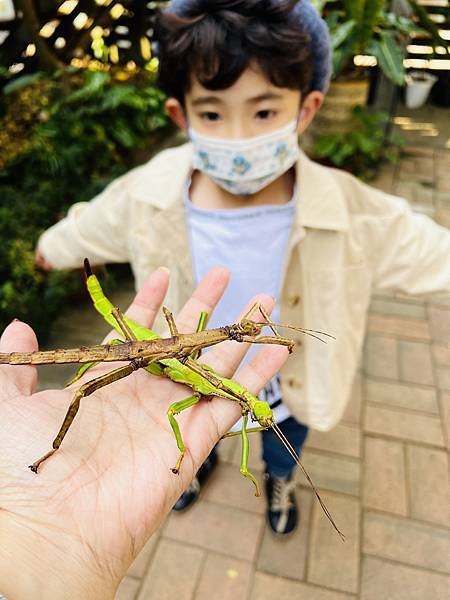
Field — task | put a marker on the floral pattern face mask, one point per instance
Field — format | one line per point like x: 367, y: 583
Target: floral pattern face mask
x: 246, y: 166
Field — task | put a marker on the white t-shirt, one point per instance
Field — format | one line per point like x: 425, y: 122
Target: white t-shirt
x: 251, y: 242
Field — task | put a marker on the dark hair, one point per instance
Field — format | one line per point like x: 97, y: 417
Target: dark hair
x: 218, y: 39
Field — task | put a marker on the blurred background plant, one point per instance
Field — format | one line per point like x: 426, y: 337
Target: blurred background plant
x: 61, y: 143
x: 370, y: 28
x: 361, y: 149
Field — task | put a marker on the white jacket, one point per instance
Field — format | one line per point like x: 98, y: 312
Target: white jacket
x: 357, y: 238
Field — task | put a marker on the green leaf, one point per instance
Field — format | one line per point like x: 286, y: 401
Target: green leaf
x: 341, y: 33
x: 21, y: 82
x: 94, y: 83
x: 389, y: 56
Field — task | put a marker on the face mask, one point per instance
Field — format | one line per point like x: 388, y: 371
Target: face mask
x: 247, y: 165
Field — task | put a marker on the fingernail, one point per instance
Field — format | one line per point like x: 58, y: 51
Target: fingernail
x: 164, y: 269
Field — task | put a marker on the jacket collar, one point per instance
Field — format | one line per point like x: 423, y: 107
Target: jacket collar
x: 321, y: 201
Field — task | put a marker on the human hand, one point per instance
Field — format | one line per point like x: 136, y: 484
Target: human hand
x: 72, y: 530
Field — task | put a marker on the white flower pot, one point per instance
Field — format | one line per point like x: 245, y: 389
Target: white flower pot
x: 417, y: 90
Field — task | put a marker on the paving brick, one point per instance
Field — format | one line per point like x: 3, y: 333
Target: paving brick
x: 219, y: 528
x: 402, y: 395
x: 352, y: 412
x: 404, y: 189
x: 174, y: 572
x: 439, y: 323
x: 227, y: 486
x: 331, y: 472
x: 442, y: 215
x: 333, y: 563
x: 227, y: 448
x: 268, y: 587
x: 441, y: 354
x: 380, y: 577
x: 398, y: 309
x: 287, y: 557
x: 342, y: 439
x: 406, y: 328
x: 442, y: 198
x: 407, y: 541
x: 224, y: 578
x: 443, y: 183
x: 440, y: 300
x: 429, y: 484
x: 384, y: 485
x: 255, y: 462
x: 404, y: 425
x: 443, y: 378
x: 127, y: 589
x: 381, y: 357
x: 138, y: 567
x: 416, y: 365
x: 445, y: 402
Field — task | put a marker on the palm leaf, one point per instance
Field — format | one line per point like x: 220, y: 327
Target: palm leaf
x: 389, y: 56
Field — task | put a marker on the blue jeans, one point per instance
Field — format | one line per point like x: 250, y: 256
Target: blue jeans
x: 279, y: 462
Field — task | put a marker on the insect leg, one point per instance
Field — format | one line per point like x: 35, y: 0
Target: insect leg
x: 84, y: 368
x: 85, y: 390
x: 170, y: 321
x: 175, y: 409
x: 244, y: 456
x: 200, y: 327
x: 235, y: 433
x: 126, y: 330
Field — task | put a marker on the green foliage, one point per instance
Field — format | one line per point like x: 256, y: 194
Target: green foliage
x: 63, y: 138
x: 367, y: 27
x: 360, y: 150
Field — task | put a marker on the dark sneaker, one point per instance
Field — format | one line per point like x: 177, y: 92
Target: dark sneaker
x: 282, y: 514
x: 193, y: 491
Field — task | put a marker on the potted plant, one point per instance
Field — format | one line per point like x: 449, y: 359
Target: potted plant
x: 361, y: 150
x: 418, y: 87
x: 364, y: 28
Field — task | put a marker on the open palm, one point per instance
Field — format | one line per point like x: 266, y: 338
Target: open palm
x: 93, y: 505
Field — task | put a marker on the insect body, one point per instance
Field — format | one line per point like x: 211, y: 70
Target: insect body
x: 172, y: 357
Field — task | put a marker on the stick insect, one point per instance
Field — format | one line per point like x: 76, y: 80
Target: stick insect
x: 175, y: 358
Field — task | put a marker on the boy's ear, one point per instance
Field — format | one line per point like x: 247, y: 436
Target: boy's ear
x: 311, y: 104
x: 176, y: 112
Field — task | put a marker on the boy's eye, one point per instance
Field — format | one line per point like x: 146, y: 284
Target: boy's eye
x: 265, y: 114
x: 210, y: 116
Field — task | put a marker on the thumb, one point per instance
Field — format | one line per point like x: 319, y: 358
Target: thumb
x: 19, y: 337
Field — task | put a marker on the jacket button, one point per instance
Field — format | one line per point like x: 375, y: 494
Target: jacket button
x: 294, y: 383
x: 294, y: 300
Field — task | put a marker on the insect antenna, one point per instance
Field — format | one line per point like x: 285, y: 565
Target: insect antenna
x: 294, y: 455
x: 310, y: 332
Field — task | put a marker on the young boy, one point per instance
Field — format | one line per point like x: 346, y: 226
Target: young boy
x: 244, y: 79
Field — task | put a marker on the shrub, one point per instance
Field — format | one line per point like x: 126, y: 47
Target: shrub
x: 63, y: 138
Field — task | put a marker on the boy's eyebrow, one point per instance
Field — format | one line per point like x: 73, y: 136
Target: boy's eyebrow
x: 202, y: 100
x: 206, y: 100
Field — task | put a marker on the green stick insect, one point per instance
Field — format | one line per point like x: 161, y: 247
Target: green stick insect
x: 175, y: 358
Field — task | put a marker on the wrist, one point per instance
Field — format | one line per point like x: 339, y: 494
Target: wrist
x: 32, y: 566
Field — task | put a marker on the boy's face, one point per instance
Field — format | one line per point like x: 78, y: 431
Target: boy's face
x: 251, y: 106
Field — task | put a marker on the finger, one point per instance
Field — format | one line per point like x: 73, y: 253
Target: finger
x: 19, y: 337
x: 147, y: 301
x: 149, y: 298
x: 253, y: 376
x: 227, y: 356
x: 204, y: 299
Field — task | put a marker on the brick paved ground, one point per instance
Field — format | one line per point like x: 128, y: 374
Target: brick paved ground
x: 383, y: 471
